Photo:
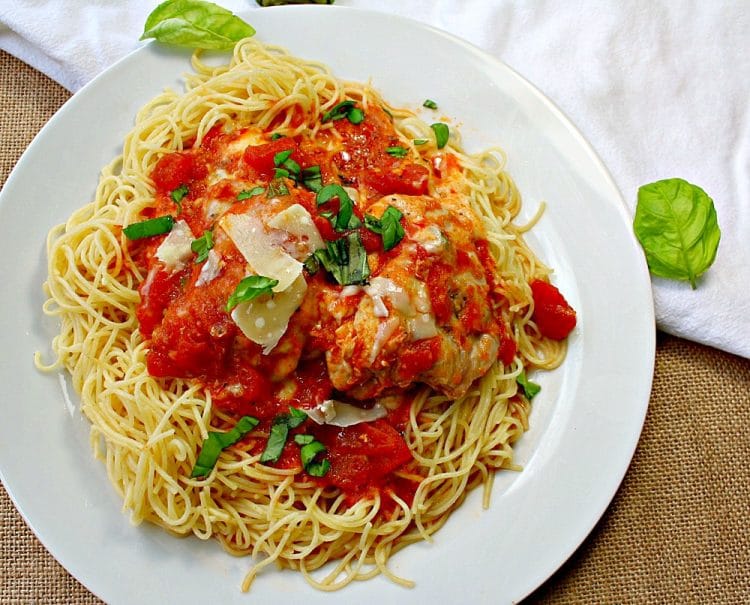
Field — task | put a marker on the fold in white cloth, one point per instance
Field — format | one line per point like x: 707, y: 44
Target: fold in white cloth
x: 661, y: 89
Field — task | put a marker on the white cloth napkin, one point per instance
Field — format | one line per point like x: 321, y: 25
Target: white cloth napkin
x: 661, y: 89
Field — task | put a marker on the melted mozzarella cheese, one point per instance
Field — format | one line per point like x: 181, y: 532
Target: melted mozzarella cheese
x: 341, y: 414
x: 261, y: 250
x: 422, y: 326
x: 431, y: 239
x: 175, y: 250
x: 264, y: 323
x: 382, y: 287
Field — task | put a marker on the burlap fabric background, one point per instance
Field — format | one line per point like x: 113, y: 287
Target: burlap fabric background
x: 677, y: 531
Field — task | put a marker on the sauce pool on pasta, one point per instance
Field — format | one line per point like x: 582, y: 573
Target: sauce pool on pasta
x: 312, y: 335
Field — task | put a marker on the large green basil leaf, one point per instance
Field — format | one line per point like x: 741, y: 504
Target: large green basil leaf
x: 676, y: 224
x: 195, y: 24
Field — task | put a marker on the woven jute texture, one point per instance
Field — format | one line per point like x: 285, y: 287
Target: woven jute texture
x: 678, y: 530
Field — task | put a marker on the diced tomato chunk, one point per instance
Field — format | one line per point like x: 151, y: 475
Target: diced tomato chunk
x: 412, y: 180
x: 554, y: 317
x: 173, y: 170
x: 260, y: 157
x: 362, y: 455
x: 372, y: 242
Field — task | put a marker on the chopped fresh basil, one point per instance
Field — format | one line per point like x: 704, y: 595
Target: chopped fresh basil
x: 202, y: 245
x: 311, y: 178
x: 195, y: 24
x: 397, y: 151
x: 311, y: 264
x: 345, y: 109
x: 177, y: 195
x: 387, y: 226
x: 281, y: 157
x: 356, y: 115
x: 248, y: 193
x: 277, y: 187
x: 530, y: 389
x: 303, y: 439
x: 276, y: 136
x: 442, y: 133
x: 216, y: 442
x: 346, y: 219
x: 295, y: 417
x: 281, y: 173
x: 430, y: 104
x: 318, y: 469
x: 338, y: 111
x: 147, y: 228
x: 280, y: 433
x: 345, y: 259
x: 420, y: 141
x: 249, y: 288
x: 309, y: 451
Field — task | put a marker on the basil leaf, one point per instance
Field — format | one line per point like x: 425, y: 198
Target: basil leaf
x: 303, y: 439
x: 280, y: 433
x: 202, y: 245
x: 397, y: 151
x: 311, y: 178
x: 346, y: 219
x: 195, y: 24
x: 676, y: 224
x: 249, y: 288
x: 312, y: 265
x: 282, y: 2
x: 281, y: 157
x: 177, y: 195
x: 530, y: 389
x: 387, y: 226
x: 309, y: 451
x: 355, y: 115
x: 277, y: 187
x: 338, y: 111
x: 295, y: 417
x: 276, y: 441
x: 420, y: 141
x: 345, y: 259
x: 430, y: 104
x: 243, y: 195
x: 441, y: 134
x: 318, y: 469
x: 276, y: 136
x: 147, y: 228
x: 216, y: 442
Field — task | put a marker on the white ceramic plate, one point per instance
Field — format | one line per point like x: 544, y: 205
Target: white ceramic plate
x: 584, y: 425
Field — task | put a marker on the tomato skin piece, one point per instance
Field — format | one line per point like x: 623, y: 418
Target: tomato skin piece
x: 260, y: 157
x: 554, y: 317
